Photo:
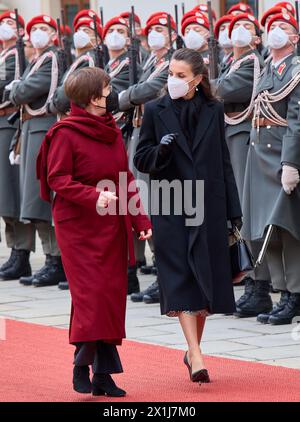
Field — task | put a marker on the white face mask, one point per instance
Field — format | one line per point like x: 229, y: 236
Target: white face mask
x: 39, y: 38
x: 224, y: 40
x: 81, y: 39
x: 6, y: 32
x: 277, y: 38
x: 194, y: 40
x: 156, y: 40
x: 178, y: 88
x: 241, y: 37
x: 115, y: 41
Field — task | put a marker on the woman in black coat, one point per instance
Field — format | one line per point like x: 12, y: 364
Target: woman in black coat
x: 182, y: 141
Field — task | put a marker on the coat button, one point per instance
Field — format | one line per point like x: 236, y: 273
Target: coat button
x: 269, y: 145
x: 252, y: 143
x: 268, y: 127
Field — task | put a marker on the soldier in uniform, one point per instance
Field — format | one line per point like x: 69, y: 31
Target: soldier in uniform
x: 84, y: 42
x: 33, y: 93
x: 272, y: 193
x: 237, y: 89
x: 221, y: 34
x: 116, y: 38
x: 150, y: 85
x: 19, y: 237
x: 195, y: 31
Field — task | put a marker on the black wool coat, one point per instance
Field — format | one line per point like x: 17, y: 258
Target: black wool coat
x: 193, y: 261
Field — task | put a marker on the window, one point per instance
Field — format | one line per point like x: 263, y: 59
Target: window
x: 72, y: 7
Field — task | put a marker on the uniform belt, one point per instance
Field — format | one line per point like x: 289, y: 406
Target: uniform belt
x: 8, y: 110
x: 263, y: 122
x: 237, y: 113
x: 26, y: 116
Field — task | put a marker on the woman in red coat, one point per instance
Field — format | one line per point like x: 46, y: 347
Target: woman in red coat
x: 79, y: 152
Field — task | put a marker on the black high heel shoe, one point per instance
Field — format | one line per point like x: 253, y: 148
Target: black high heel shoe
x: 81, y: 379
x: 103, y: 384
x: 198, y: 376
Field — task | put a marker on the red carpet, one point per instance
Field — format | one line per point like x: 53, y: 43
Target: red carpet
x: 36, y: 365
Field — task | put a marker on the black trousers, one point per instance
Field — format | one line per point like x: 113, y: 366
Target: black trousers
x: 103, y: 357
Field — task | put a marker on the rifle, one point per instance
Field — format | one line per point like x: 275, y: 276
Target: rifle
x: 20, y: 46
x: 298, y: 21
x: 179, y: 40
x: 183, y: 8
x: 22, y: 65
x: 102, y: 16
x: 66, y: 43
x: 256, y: 9
x: 212, y: 46
x: 61, y: 54
x: 99, y: 56
x: 133, y: 51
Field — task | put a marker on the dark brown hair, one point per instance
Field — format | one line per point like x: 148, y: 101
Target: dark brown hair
x: 86, y: 84
x: 195, y: 60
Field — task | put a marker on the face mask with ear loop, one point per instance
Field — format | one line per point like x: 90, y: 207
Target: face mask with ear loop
x: 241, y: 37
x: 112, y: 102
x: 178, y: 88
x: 6, y: 32
x: 278, y: 38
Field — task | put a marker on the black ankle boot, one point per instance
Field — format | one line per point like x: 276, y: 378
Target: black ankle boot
x: 20, y: 267
x: 284, y: 298
x: 53, y: 274
x: 103, y: 384
x: 138, y: 297
x: 249, y: 289
x: 133, y: 281
x: 27, y: 281
x: 81, y: 379
x: 289, y: 312
x: 10, y: 261
x: 258, y: 303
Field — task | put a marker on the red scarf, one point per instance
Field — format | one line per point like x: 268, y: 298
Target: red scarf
x: 100, y: 129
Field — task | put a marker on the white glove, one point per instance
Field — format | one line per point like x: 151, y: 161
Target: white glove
x: 290, y: 178
x: 9, y: 87
x: 14, y: 159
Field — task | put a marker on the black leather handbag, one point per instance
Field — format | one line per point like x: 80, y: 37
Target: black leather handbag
x: 240, y: 256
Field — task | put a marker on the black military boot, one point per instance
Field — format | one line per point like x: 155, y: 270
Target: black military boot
x: 289, y: 312
x: 284, y: 298
x: 81, y: 379
x: 133, y: 281
x: 249, y: 289
x: 10, y: 260
x: 146, y: 269
x: 138, y: 297
x: 152, y: 297
x: 20, y: 267
x: 27, y: 281
x: 259, y: 302
x: 53, y: 274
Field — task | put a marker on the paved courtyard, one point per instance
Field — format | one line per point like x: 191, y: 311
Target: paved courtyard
x: 224, y: 336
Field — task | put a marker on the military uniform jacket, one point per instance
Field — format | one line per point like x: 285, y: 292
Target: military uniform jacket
x: 60, y: 103
x: 9, y: 175
x: 265, y: 201
x: 150, y: 85
x: 118, y: 69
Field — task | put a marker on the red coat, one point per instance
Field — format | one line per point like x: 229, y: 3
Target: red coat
x: 76, y: 154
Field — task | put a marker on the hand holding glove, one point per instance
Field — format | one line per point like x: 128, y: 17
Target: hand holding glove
x: 14, y: 159
x: 290, y: 178
x: 165, y: 145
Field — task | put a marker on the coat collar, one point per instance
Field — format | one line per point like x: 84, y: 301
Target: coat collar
x: 170, y: 121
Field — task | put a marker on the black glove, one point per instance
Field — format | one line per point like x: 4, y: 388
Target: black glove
x: 165, y: 145
x: 237, y: 222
